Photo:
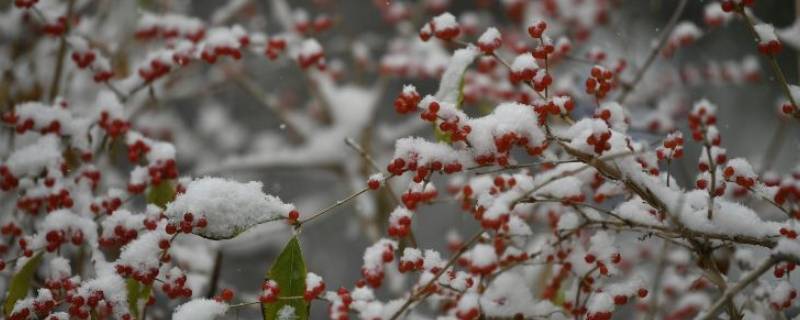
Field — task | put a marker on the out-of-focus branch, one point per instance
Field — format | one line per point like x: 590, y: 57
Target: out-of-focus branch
x: 776, y: 68
x: 248, y: 86
x: 673, y: 20
x: 62, y: 52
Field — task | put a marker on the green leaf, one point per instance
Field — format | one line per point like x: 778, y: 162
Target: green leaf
x: 161, y: 194
x: 289, y: 271
x: 21, y: 283
x: 136, y: 293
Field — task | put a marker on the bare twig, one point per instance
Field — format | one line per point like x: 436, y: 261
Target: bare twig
x: 673, y: 20
x: 248, y: 86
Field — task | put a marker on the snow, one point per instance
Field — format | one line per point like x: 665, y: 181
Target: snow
x: 113, y: 287
x: 451, y: 79
x: 600, y: 302
x: 67, y: 221
x: 509, y: 294
x: 491, y: 35
x: 143, y: 254
x: 426, y: 152
x: 685, y: 30
x: 445, y: 21
x: 230, y: 207
x: 741, y: 167
x: 637, y: 210
x: 373, y: 255
x: 433, y: 259
x: 411, y: 254
x: 483, y: 255
x: 200, y: 309
x: 729, y: 218
x: 286, y: 312
x: 505, y: 118
x: 788, y: 247
x: 524, y: 62
x: 312, y: 281
x: 766, y: 32
x: 30, y: 160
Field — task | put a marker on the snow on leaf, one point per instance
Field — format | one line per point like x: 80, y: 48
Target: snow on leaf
x: 230, y: 207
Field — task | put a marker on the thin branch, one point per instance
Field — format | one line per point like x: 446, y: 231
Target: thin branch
x: 673, y: 20
x: 741, y: 285
x: 414, y: 297
x: 335, y: 205
x: 62, y: 52
x: 248, y: 86
x: 776, y: 68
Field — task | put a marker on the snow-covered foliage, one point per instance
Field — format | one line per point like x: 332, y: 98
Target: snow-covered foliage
x: 127, y: 178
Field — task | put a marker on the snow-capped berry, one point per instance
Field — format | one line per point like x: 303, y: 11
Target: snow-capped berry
x: 490, y: 40
x: 314, y: 286
x: 407, y: 100
x: 445, y: 26
x: 537, y: 29
x: 311, y: 53
x: 768, y: 42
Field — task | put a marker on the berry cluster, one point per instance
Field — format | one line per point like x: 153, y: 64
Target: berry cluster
x: 489, y: 41
x: 269, y: 291
x: 340, y: 304
x: 122, y: 235
x: 187, y: 224
x: 91, y: 303
x: 226, y: 295
x: 275, y: 45
x: 40, y: 307
x: 311, y: 54
x: 174, y: 286
x: 443, y: 26
x: 399, y: 223
x: 55, y: 238
x: 600, y: 82
x: 115, y: 127
x: 411, y: 260
x: 314, y: 286
x: 407, y: 101
x: 672, y: 148
x: 417, y: 194
x: 157, y: 68
x: 379, y: 254
x: 736, y: 5
x: 25, y: 4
